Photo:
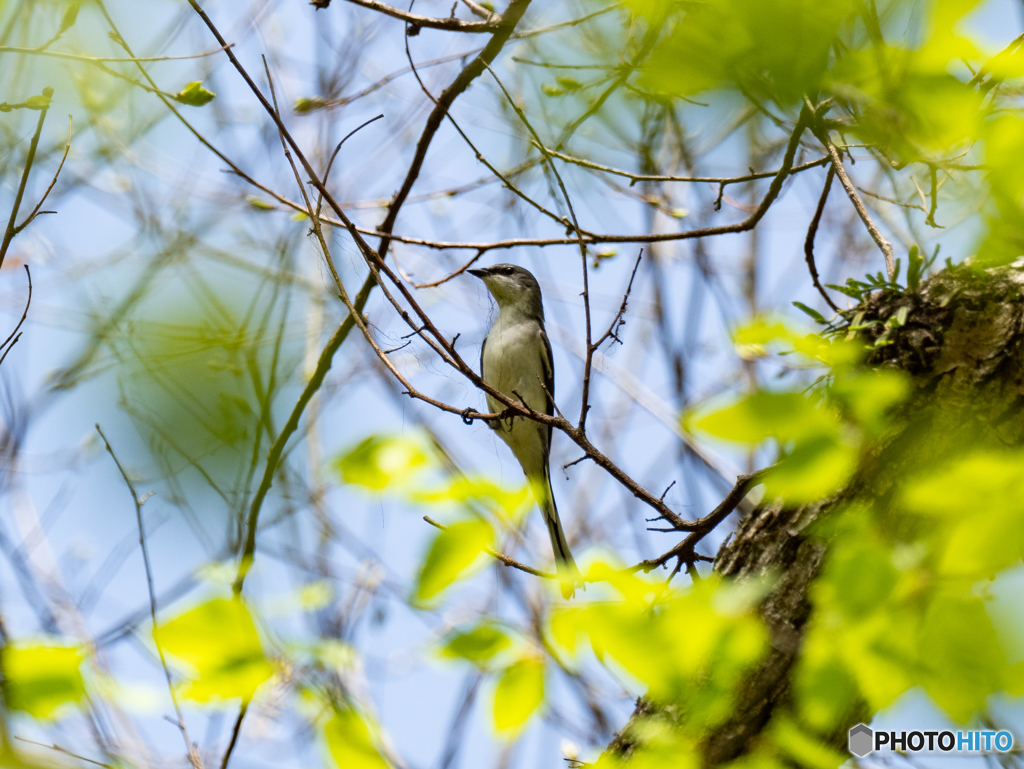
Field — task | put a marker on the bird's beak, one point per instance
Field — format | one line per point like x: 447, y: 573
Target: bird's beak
x: 478, y: 273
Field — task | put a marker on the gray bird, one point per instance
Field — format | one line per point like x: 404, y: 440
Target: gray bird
x: 516, y: 360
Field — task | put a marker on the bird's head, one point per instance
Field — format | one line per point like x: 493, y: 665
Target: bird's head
x: 510, y: 285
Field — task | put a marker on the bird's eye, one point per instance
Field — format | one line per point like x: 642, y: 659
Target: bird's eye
x: 509, y: 270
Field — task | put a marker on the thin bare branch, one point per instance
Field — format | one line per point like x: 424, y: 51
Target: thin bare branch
x: 812, y: 231
x: 11, y: 230
x: 193, y: 753
x: 416, y: 22
x: 105, y: 59
x: 39, y: 205
x: 837, y: 163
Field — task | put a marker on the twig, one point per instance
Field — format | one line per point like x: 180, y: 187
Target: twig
x: 703, y: 526
x: 894, y: 201
x: 65, y: 751
x: 812, y: 231
x: 104, y: 59
x: 39, y: 205
x: 1009, y: 49
x: 666, y: 491
x: 617, y: 321
x: 330, y: 163
x: 564, y: 24
x: 837, y: 163
x: 507, y: 560
x: 11, y: 231
x: 506, y: 182
x: 933, y: 174
x: 193, y: 753
x: 341, y: 101
x: 723, y: 180
x: 234, y: 734
x: 416, y: 22
x: 24, y: 314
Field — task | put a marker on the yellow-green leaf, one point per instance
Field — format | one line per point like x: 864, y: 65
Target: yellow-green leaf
x: 760, y: 415
x: 804, y: 749
x: 511, y: 504
x: 194, y: 95
x: 259, y: 203
x: 965, y: 660
x: 68, y: 18
x: 381, y: 461
x: 815, y: 468
x: 40, y: 678
x: 352, y: 741
x: 519, y: 693
x: 218, y: 640
x: 478, y: 645
x: 452, y: 555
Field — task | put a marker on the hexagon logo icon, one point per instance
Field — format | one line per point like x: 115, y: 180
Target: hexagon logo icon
x: 862, y: 738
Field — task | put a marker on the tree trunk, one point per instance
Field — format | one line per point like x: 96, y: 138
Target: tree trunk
x: 962, y: 345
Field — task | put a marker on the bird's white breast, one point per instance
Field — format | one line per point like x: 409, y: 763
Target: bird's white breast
x: 513, y: 363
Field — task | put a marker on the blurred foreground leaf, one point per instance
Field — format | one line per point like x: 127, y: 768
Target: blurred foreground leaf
x: 352, y: 743
x: 452, y: 555
x: 218, y: 639
x: 39, y: 679
x: 478, y: 645
x: 520, y: 691
x: 381, y: 461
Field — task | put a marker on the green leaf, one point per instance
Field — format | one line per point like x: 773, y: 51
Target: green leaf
x: 870, y: 396
x: 966, y: 663
x: 510, y: 505
x: 259, y: 203
x: 817, y: 316
x: 218, y: 640
x: 308, y: 104
x: 824, y: 688
x: 862, y: 576
x: 774, y: 50
x: 783, y: 416
x: 39, y: 679
x: 816, y: 468
x: 194, y: 95
x: 551, y: 90
x: 381, y: 461
x: 352, y: 741
x: 568, y: 83
x: 39, y: 102
x: 519, y: 693
x: 805, y: 750
x: 915, y: 268
x: 479, y: 645
x: 68, y: 18
x: 452, y: 556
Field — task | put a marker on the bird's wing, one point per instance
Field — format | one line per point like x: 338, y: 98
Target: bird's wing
x: 492, y: 423
x: 548, y: 377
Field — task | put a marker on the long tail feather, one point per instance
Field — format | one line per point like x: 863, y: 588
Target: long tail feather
x: 568, y: 573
